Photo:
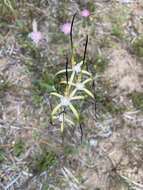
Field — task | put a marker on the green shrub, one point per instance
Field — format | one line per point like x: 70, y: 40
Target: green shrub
x: 8, y: 7
x: 117, y: 31
x: 100, y: 63
x: 138, y: 46
x: 45, y: 161
x: 19, y: 147
x: 68, y: 150
x: 137, y: 99
x: 1, y: 154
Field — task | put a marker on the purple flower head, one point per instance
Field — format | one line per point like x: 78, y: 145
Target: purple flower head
x: 66, y: 28
x: 35, y: 36
x: 85, y: 13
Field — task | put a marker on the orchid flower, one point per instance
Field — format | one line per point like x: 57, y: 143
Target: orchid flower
x: 62, y: 119
x: 76, y: 69
x: 80, y: 86
x: 74, y: 83
x: 66, y: 101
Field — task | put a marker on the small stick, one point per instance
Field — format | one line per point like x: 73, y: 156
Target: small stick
x: 6, y: 145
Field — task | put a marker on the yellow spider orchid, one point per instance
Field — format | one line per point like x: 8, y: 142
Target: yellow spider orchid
x: 63, y: 119
x: 76, y: 69
x: 74, y: 85
x: 80, y: 86
x: 65, y: 101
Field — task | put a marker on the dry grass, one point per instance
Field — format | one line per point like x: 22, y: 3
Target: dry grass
x: 33, y: 154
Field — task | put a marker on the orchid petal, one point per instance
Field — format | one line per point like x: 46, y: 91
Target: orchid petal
x: 88, y: 92
x: 56, y: 109
x: 56, y: 94
x: 74, y: 111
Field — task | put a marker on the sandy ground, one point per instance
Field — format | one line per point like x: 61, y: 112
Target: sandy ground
x: 111, y: 152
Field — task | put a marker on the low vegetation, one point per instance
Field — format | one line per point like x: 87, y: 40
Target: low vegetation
x: 64, y: 124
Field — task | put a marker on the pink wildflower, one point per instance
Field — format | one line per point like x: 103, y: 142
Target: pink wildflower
x: 85, y: 13
x: 66, y: 28
x: 35, y: 36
